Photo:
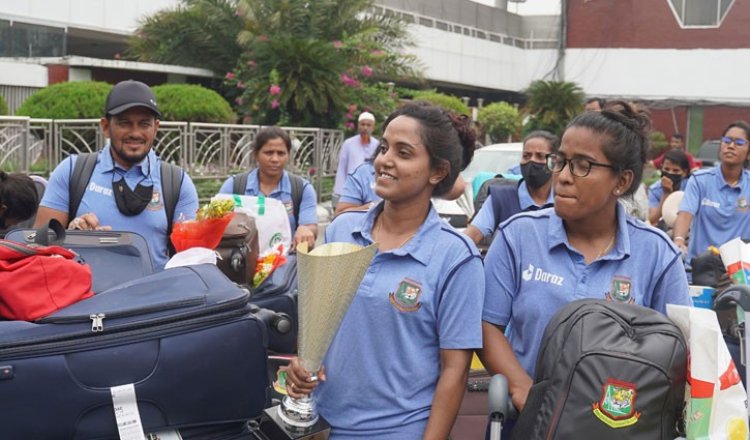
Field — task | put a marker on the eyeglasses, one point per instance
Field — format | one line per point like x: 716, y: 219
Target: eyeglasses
x: 579, y: 166
x: 737, y: 141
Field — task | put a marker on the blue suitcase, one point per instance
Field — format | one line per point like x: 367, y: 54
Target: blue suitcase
x: 114, y: 256
x: 184, y: 337
x: 278, y: 293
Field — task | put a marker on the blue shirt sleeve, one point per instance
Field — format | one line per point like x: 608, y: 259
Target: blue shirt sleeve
x: 353, y: 192
x: 691, y: 199
x: 459, y: 317
x: 187, y: 205
x: 485, y: 218
x: 308, y: 214
x: 501, y: 277
x: 654, y: 195
x: 228, y: 186
x: 57, y: 194
x: 672, y: 288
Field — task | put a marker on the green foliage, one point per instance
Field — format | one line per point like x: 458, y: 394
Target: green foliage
x: 499, y: 120
x: 70, y: 100
x: 3, y: 107
x: 448, y: 102
x: 192, y: 103
x: 659, y: 144
x: 307, y: 62
x: 378, y: 99
x: 199, y: 33
x: 551, y: 105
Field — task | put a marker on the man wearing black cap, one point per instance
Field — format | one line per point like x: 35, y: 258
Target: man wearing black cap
x: 124, y: 190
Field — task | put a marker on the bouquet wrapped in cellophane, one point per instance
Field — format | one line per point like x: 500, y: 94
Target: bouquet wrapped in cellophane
x: 206, y: 230
x: 267, y: 263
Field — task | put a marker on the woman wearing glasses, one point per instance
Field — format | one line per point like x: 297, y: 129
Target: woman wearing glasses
x: 584, y: 247
x: 716, y: 204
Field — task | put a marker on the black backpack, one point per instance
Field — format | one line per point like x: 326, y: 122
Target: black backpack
x: 298, y: 186
x: 171, y: 182
x: 606, y: 370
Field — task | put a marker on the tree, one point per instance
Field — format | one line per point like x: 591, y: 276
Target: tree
x: 499, y: 120
x: 307, y: 62
x: 69, y: 100
x: 551, y: 105
x: 192, y: 103
x: 197, y: 33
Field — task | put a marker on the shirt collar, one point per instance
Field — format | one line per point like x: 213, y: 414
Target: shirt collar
x: 108, y: 164
x: 525, y: 199
x: 253, y: 181
x: 420, y: 246
x: 558, y: 237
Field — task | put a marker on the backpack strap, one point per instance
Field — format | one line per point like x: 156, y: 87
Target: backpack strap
x: 504, y: 202
x: 240, y: 183
x: 298, y: 186
x: 171, y: 183
x: 79, y: 180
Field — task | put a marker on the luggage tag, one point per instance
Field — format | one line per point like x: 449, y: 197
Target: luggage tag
x: 126, y: 412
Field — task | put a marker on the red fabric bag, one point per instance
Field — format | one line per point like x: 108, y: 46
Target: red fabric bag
x: 38, y: 281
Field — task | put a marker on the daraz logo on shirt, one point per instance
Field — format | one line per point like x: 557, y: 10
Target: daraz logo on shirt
x: 538, y: 274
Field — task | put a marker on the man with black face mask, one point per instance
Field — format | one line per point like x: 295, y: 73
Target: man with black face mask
x: 124, y: 191
x: 533, y: 191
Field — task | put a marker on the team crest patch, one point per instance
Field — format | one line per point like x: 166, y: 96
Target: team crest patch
x: 155, y: 204
x: 621, y: 290
x: 742, y: 204
x: 406, y: 298
x: 616, y: 408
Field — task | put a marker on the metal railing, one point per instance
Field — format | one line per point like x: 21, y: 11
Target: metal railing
x: 204, y: 150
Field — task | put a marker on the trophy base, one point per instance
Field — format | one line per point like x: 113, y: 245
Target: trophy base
x: 274, y: 428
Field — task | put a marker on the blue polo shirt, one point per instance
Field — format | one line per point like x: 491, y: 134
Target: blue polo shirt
x: 720, y: 212
x: 656, y: 192
x: 384, y: 362
x: 532, y: 271
x: 99, y: 199
x: 359, y: 187
x: 485, y: 219
x: 283, y: 192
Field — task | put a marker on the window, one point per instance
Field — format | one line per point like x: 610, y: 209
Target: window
x: 700, y: 13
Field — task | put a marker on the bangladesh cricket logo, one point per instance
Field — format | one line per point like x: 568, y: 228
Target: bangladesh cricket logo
x: 617, y: 405
x: 406, y: 298
x: 621, y: 290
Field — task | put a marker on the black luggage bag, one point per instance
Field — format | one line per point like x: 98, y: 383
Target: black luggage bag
x: 278, y: 292
x: 184, y: 338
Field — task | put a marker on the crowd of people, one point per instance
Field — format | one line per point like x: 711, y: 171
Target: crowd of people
x: 398, y: 364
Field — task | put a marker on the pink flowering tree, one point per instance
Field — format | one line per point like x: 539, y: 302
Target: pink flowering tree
x: 317, y: 63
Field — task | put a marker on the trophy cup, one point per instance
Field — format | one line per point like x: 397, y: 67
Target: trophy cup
x: 327, y: 279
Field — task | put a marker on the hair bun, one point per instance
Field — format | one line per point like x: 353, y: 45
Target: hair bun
x: 467, y: 136
x: 632, y: 116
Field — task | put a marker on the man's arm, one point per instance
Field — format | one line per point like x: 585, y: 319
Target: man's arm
x: 44, y: 215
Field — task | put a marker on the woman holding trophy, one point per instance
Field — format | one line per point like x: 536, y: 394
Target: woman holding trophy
x: 398, y: 364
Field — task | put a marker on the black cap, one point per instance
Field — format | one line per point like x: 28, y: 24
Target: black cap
x: 128, y: 94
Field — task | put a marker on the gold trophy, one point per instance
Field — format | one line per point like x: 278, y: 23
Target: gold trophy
x: 327, y: 279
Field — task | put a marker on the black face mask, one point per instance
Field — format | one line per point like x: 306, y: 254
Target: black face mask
x: 675, y: 178
x: 131, y: 202
x: 535, y: 174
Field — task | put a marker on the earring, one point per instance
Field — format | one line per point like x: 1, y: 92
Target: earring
x: 617, y: 192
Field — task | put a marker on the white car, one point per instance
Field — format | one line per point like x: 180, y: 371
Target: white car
x: 488, y: 161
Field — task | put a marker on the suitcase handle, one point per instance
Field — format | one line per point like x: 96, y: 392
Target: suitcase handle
x: 41, y: 235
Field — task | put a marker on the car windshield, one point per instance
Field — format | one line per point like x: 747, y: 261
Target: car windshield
x: 491, y: 160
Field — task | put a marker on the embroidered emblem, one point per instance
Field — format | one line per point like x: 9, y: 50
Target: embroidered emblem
x: 621, y: 290
x: 289, y: 208
x: 742, y: 204
x: 406, y: 298
x: 275, y: 240
x: 616, y: 408
x: 155, y: 204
